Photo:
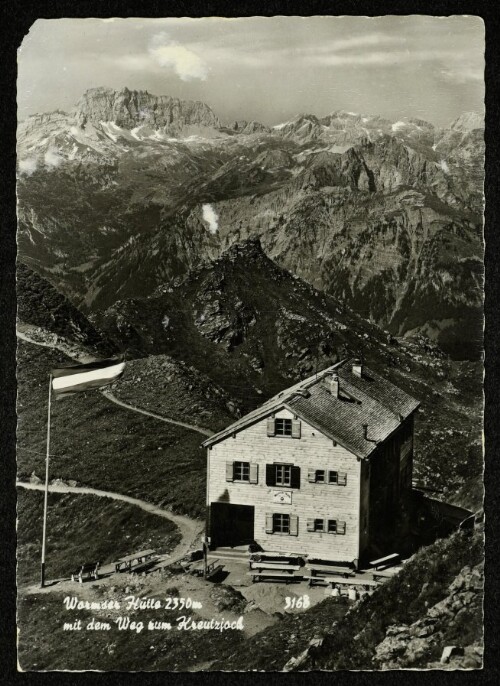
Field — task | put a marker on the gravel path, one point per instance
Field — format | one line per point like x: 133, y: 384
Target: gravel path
x: 185, y: 425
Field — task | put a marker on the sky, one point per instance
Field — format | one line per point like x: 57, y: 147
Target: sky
x: 264, y: 69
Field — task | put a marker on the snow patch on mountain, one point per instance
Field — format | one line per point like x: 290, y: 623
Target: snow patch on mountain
x: 28, y: 166
x: 52, y: 158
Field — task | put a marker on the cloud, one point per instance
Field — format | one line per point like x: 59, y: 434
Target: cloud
x: 28, y: 166
x: 385, y: 57
x: 188, y: 65
x: 466, y: 74
x: 354, y: 42
x: 211, y: 217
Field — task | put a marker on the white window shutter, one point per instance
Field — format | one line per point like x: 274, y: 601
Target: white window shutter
x: 254, y: 473
x: 342, y: 478
x: 310, y: 525
x: 271, y: 428
x: 229, y: 471
x: 295, y: 428
x: 294, y: 525
x: 311, y: 476
x: 341, y: 527
x: 269, y: 523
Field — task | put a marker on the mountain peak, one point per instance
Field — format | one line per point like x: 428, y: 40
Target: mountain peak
x: 130, y: 108
x: 468, y: 121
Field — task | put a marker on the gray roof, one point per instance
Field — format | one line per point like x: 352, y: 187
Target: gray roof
x: 370, y: 400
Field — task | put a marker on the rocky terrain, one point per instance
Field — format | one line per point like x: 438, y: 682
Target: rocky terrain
x: 429, y: 616
x: 40, y: 307
x: 252, y: 343
x: 130, y: 190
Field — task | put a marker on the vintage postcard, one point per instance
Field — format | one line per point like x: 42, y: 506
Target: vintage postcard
x: 250, y: 344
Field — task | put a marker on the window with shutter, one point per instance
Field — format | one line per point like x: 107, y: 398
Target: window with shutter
x: 229, y: 471
x: 241, y: 471
x: 283, y: 427
x: 283, y: 475
x: 269, y: 523
x: 271, y: 430
x: 254, y: 473
x: 295, y: 428
x: 281, y: 523
x: 336, y: 527
x: 333, y: 477
x: 294, y: 525
x: 319, y: 525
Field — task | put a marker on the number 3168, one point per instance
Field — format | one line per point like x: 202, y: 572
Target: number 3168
x: 297, y: 603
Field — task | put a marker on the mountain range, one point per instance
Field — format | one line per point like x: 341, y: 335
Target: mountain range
x: 130, y: 190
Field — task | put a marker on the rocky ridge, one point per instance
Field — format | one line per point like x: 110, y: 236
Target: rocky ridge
x: 384, y: 215
x: 129, y: 109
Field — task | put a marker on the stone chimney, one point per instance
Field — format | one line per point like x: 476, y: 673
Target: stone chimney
x: 357, y: 368
x: 334, y: 385
x: 365, y: 431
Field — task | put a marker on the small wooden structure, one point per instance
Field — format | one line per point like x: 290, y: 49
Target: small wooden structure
x: 211, y: 570
x: 385, y: 562
x: 263, y: 573
x: 137, y: 562
x: 90, y: 570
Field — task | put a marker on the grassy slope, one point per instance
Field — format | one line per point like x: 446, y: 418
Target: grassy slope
x: 167, y: 387
x: 83, y: 528
x: 43, y: 645
x: 100, y: 444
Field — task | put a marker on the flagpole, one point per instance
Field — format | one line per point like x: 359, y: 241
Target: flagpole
x: 46, y: 497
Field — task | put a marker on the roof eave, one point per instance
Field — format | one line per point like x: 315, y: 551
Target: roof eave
x: 237, y: 426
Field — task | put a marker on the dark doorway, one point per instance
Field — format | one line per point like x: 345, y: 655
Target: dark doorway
x: 231, y: 525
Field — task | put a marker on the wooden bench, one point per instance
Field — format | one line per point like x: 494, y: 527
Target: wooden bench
x: 386, y: 573
x: 329, y: 569
x: 89, y: 569
x: 384, y: 562
x: 134, y: 562
x: 271, y: 574
x: 341, y: 581
x: 274, y: 565
x: 272, y: 559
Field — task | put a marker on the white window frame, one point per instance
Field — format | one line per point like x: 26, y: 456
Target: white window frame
x: 286, y: 426
x: 241, y: 466
x: 284, y: 523
x: 286, y: 477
